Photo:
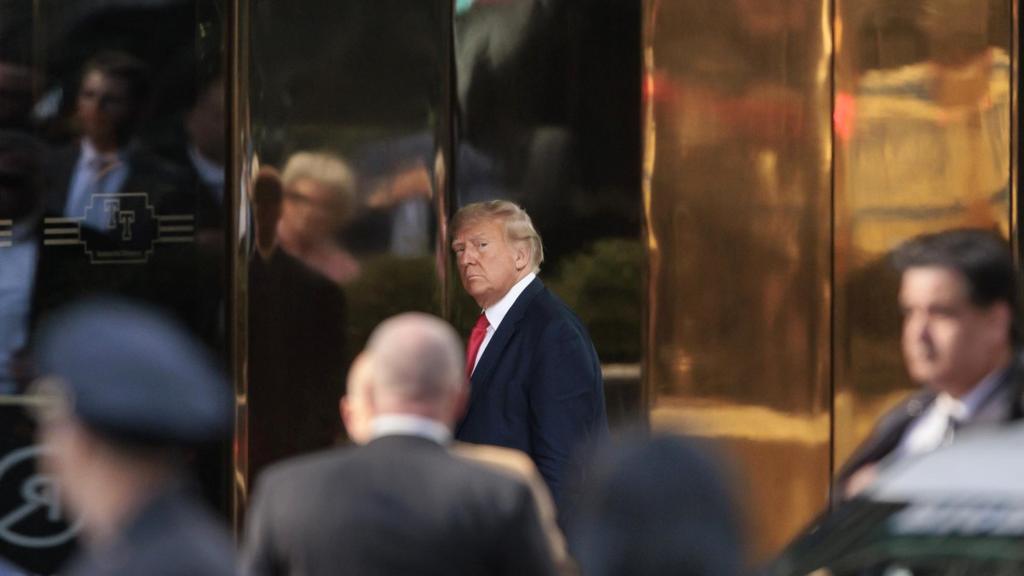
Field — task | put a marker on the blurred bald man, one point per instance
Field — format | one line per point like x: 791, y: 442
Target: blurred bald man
x: 400, y: 504
x: 357, y: 413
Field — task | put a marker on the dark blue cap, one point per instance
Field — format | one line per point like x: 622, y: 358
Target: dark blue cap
x: 134, y: 375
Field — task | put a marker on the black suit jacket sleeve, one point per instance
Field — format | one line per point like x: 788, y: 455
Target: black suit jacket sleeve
x: 562, y: 399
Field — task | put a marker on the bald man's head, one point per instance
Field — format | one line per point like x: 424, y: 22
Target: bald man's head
x: 416, y: 367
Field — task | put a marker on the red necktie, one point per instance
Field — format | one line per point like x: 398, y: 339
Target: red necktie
x: 476, y: 338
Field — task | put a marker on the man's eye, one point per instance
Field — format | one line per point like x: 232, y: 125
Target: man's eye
x: 482, y: 245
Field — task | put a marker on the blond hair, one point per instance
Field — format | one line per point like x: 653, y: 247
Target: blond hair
x: 327, y: 169
x: 516, y: 222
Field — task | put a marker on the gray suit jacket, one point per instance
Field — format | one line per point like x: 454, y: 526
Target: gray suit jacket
x: 399, y: 505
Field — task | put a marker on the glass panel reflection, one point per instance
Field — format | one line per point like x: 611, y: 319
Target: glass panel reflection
x: 738, y: 200
x: 922, y: 126
x: 346, y: 111
x: 111, y: 181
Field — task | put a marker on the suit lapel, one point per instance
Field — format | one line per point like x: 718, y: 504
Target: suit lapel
x: 1003, y: 401
x: 506, y: 329
x: 485, y: 367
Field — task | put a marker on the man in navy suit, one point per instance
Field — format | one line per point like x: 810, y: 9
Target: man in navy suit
x: 536, y: 379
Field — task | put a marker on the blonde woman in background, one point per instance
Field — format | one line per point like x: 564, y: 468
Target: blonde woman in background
x: 319, y: 196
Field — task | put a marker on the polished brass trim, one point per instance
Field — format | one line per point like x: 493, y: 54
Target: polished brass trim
x: 238, y: 240
x: 737, y: 197
x: 1015, y: 86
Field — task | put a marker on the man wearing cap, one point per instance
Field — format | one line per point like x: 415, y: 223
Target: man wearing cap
x: 536, y: 378
x: 126, y: 396
x: 402, y: 503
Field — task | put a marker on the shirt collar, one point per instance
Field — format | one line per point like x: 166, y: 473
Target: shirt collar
x: 964, y: 408
x: 90, y: 153
x: 410, y: 425
x: 496, y: 313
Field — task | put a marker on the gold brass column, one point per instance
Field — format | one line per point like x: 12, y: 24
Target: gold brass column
x: 737, y: 194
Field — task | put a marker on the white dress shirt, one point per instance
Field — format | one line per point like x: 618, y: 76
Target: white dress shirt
x: 496, y: 313
x: 87, y: 180
x: 410, y: 425
x: 930, y: 431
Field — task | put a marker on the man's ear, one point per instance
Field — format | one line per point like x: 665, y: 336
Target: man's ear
x: 1001, y: 318
x: 522, y: 256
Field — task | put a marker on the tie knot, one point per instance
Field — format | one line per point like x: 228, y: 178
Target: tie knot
x: 481, y: 322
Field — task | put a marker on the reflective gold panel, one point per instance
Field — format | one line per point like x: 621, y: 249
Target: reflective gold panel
x: 737, y: 195
x: 922, y: 143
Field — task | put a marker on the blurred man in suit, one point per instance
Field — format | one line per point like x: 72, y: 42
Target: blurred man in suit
x: 113, y: 90
x: 128, y: 397
x: 958, y: 295
x: 401, y: 504
x: 357, y: 413
x: 536, y: 378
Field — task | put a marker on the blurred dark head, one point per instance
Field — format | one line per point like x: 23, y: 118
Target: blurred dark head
x: 113, y: 89
x: 21, y: 158
x: 656, y: 507
x: 981, y: 257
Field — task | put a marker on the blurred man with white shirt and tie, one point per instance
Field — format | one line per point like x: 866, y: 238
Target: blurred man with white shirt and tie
x: 112, y: 93
x: 958, y: 297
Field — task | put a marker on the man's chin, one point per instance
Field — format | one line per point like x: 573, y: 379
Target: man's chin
x: 926, y: 375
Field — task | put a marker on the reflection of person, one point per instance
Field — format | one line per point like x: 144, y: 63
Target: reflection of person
x: 200, y: 151
x: 401, y: 504
x: 20, y: 211
x: 536, y: 378
x: 126, y: 396
x: 959, y: 298
x: 654, y: 507
x: 297, y: 321
x: 319, y: 193
x: 114, y: 87
x: 357, y: 413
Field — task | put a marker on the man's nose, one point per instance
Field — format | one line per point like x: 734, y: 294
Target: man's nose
x: 920, y: 329
x: 467, y: 256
